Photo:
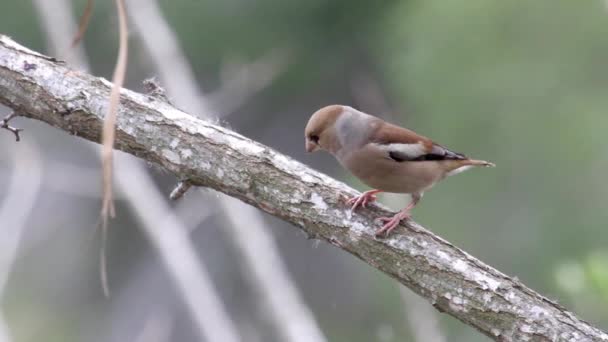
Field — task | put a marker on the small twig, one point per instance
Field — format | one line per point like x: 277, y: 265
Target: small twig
x: 180, y: 190
x: 153, y: 88
x: 84, y: 23
x: 4, y: 124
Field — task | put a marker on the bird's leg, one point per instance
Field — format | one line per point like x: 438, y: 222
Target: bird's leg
x: 363, y: 199
x: 393, y: 222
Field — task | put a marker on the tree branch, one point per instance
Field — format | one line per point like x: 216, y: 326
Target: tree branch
x: 208, y: 155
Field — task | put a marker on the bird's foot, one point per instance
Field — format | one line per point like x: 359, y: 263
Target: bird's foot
x: 391, y: 223
x: 362, y: 200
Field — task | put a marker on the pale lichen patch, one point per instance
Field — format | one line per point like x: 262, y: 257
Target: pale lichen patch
x: 526, y: 328
x: 246, y: 147
x: 458, y: 300
x: 307, y: 178
x: 153, y: 118
x: 317, y: 201
x: 288, y: 165
x: 172, y: 113
x: 458, y: 304
x: 399, y: 243
x: 129, y: 129
x: 538, y: 312
x: 204, y: 165
x: 358, y: 228
x: 148, y: 128
x: 171, y: 156
x: 486, y: 281
x: 460, y: 265
x: 283, y: 163
x: 443, y: 255
x: 186, y: 153
x: 487, y: 297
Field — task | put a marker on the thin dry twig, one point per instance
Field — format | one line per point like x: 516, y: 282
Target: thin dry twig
x: 4, y: 124
x: 83, y: 24
x: 108, y: 136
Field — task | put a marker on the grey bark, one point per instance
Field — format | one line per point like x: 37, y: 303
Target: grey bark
x: 208, y: 155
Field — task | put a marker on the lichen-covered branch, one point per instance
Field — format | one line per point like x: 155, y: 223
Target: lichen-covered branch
x: 205, y: 154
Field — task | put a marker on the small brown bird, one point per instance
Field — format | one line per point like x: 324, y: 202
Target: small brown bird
x: 384, y: 156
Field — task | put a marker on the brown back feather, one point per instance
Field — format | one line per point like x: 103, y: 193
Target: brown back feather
x: 393, y: 134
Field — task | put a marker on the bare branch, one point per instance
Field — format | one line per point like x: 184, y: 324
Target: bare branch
x: 208, y: 155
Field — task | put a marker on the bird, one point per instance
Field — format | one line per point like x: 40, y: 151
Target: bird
x: 384, y: 156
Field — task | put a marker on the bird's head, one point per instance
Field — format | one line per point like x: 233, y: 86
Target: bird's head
x: 320, y: 133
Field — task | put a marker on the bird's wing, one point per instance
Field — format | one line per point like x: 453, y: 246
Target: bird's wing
x: 402, y: 144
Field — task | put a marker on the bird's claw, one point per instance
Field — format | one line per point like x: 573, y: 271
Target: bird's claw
x: 360, y: 201
x: 390, y: 223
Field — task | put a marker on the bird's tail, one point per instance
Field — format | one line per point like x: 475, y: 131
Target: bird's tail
x: 458, y: 166
x: 475, y: 162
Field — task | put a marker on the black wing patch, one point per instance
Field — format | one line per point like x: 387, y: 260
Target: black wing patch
x: 438, y: 153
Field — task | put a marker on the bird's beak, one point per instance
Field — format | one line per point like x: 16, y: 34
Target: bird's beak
x: 311, y: 146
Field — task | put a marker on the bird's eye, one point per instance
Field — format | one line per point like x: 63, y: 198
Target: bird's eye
x: 314, y: 138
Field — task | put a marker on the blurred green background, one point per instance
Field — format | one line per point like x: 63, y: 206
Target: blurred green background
x: 523, y: 84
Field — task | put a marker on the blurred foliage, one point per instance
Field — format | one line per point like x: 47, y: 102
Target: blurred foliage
x: 522, y: 84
